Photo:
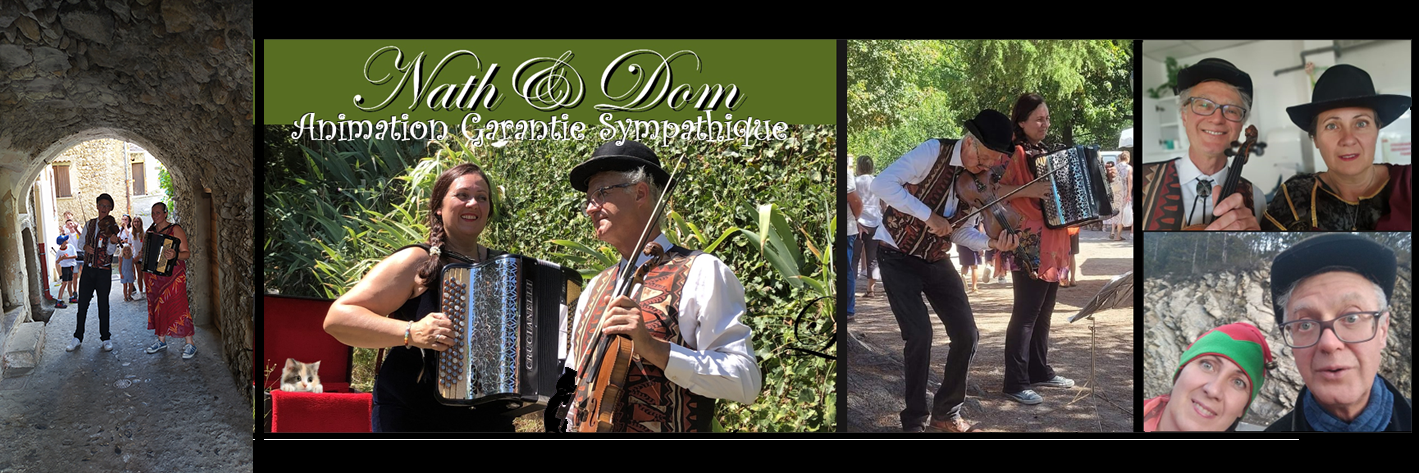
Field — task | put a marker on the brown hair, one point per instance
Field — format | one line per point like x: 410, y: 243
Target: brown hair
x: 1024, y: 106
x: 437, y: 236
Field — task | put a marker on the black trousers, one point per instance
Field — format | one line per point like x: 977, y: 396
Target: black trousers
x: 906, y: 279
x: 1027, y: 336
x: 91, y: 280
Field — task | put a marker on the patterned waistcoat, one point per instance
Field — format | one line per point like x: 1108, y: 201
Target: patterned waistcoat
x: 909, y: 232
x: 650, y: 401
x: 1162, y: 196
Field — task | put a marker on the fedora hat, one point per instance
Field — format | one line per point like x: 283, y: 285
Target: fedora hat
x: 1213, y: 69
x: 993, y: 129
x: 618, y: 156
x: 1347, y: 86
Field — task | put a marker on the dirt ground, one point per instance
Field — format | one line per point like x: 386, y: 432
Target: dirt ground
x: 874, y: 357
x: 124, y: 410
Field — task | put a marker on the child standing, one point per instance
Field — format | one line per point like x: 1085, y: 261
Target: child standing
x: 66, y: 257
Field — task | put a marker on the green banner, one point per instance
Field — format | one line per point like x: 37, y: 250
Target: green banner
x: 548, y: 89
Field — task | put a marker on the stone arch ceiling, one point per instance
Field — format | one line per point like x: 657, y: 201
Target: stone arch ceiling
x: 174, y: 76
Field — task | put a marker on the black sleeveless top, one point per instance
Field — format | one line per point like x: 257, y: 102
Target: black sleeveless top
x: 404, y: 403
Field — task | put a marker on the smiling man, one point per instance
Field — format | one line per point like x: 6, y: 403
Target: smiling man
x: 1214, y: 99
x: 690, y: 346
x: 1330, y: 295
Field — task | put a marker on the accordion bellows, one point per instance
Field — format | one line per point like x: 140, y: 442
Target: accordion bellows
x: 153, y: 260
x: 1079, y: 194
x: 506, y: 315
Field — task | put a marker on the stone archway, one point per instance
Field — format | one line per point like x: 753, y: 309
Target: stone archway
x: 175, y: 77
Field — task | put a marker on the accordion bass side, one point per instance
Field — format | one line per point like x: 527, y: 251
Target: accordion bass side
x: 1079, y: 193
x: 153, y: 260
x: 507, y: 314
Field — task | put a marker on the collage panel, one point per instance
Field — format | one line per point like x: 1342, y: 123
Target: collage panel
x: 1331, y: 123
x: 453, y: 220
x: 991, y: 287
x: 1277, y: 330
x: 127, y: 301
x: 1282, y: 332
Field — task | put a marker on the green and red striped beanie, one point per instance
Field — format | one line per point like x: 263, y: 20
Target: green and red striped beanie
x: 1241, y: 343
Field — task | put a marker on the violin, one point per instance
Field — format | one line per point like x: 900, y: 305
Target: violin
x: 980, y: 192
x: 1242, y: 152
x: 606, y: 379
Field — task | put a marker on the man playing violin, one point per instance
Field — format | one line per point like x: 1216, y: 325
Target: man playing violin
x: 912, y: 260
x: 1214, y: 98
x: 690, y: 347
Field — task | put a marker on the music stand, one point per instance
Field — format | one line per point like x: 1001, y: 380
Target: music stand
x: 1112, y: 295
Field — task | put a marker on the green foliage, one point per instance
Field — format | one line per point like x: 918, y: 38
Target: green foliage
x: 169, y: 190
x: 1085, y: 84
x: 335, y: 211
x: 1171, y: 63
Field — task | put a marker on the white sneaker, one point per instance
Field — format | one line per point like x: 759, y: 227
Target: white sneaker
x: 108, y: 345
x: 72, y: 345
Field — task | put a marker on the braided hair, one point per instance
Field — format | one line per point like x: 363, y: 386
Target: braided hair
x: 437, y: 235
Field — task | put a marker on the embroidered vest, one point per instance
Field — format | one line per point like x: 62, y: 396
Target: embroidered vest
x: 650, y: 402
x: 1162, y: 196
x: 102, y: 260
x: 909, y: 232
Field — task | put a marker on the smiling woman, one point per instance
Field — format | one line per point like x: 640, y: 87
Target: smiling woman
x: 1219, y: 376
x: 397, y: 304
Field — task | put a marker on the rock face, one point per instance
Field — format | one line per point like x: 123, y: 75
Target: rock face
x: 1176, y: 311
x: 173, y: 76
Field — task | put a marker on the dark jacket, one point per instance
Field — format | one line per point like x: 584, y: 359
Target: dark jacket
x: 1399, y: 420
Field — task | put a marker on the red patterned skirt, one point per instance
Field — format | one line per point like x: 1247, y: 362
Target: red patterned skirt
x: 168, y: 314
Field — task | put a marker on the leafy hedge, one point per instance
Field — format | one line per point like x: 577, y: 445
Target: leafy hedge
x: 765, y: 208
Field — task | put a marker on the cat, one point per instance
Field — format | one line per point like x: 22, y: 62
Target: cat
x: 301, y: 377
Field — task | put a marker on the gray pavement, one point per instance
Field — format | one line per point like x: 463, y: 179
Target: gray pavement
x: 124, y: 410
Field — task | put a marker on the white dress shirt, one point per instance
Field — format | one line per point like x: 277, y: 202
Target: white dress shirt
x: 912, y: 168
x: 871, y: 210
x: 717, y: 360
x: 848, y: 221
x: 1189, y: 176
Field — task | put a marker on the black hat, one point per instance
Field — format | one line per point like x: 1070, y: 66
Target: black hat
x: 1213, y: 69
x: 1347, y: 86
x: 993, y: 129
x: 618, y: 156
x: 1366, y: 257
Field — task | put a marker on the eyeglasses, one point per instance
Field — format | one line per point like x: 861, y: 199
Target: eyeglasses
x: 597, y: 197
x: 1353, y: 327
x: 1206, y: 108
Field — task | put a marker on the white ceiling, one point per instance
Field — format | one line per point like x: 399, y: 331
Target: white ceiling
x: 1160, y: 50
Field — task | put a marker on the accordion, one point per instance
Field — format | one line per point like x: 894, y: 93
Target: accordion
x: 507, y: 314
x: 153, y: 260
x: 1079, y: 192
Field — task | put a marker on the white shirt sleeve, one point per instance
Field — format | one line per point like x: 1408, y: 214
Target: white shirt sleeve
x: 717, y: 360
x: 968, y: 236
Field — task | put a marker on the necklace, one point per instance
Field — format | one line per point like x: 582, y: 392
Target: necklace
x: 478, y: 249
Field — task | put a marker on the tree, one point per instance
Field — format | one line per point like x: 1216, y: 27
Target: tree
x: 902, y: 92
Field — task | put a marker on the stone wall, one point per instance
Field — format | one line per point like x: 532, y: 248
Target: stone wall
x: 1177, y: 310
x: 174, y: 77
x: 95, y: 168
